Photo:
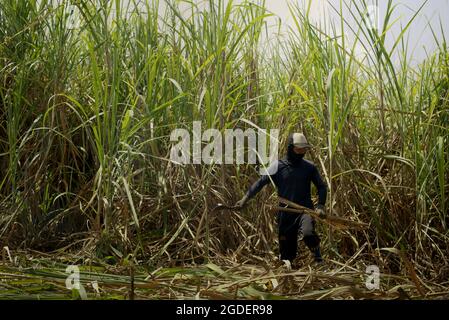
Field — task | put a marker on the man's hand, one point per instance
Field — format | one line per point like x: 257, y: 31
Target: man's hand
x: 241, y: 203
x: 321, y: 210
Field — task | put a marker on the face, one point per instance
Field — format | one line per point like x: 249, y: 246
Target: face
x: 299, y: 150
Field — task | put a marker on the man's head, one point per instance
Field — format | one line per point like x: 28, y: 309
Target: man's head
x: 299, y: 142
x: 297, y: 147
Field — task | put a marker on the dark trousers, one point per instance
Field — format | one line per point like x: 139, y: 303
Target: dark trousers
x: 289, y: 227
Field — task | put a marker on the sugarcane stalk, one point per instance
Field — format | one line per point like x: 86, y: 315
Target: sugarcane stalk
x: 330, y: 219
x: 335, y: 221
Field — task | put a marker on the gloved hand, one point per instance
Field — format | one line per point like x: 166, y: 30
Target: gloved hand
x: 242, y: 202
x: 321, y: 210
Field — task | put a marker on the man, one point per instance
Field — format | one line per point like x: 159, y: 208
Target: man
x: 293, y: 182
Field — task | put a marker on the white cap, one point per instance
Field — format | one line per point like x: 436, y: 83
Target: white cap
x: 299, y: 140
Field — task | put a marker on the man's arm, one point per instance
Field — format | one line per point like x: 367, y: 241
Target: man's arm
x: 256, y: 187
x: 320, y: 185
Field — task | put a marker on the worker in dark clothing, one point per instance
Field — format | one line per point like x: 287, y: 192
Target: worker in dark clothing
x: 293, y: 179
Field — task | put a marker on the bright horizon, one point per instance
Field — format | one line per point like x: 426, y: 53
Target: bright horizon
x: 420, y: 38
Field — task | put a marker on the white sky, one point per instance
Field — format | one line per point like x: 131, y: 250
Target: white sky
x: 420, y: 38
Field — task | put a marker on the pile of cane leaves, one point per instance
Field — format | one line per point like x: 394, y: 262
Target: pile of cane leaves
x: 38, y: 277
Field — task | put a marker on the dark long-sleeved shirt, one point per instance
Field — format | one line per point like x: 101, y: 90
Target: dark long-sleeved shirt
x: 294, y: 183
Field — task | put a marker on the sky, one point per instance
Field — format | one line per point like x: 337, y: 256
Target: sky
x: 420, y: 38
x: 421, y: 42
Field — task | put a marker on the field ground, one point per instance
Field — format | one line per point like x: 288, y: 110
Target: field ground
x: 42, y: 276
